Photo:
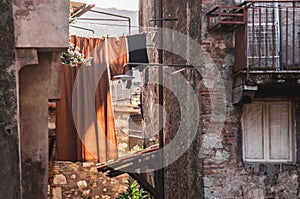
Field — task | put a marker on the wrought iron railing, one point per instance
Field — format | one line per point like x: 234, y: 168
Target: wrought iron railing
x: 267, y: 33
x: 273, y: 36
x: 226, y: 18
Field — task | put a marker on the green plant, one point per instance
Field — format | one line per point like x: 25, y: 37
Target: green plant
x: 133, y: 192
x: 136, y: 148
x: 73, y: 57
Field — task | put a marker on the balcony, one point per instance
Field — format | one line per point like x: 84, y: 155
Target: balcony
x: 226, y: 18
x: 267, y: 46
x: 270, y: 40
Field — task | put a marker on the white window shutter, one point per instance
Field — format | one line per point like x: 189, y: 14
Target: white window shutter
x: 278, y: 131
x: 253, y: 131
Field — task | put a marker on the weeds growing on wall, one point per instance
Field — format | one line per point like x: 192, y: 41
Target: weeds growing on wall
x: 133, y: 192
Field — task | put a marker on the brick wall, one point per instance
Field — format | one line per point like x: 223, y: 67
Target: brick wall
x: 225, y: 174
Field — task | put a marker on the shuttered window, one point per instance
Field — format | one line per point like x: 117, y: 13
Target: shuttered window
x: 268, y: 132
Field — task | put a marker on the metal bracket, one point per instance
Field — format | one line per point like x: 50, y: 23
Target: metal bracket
x: 165, y: 19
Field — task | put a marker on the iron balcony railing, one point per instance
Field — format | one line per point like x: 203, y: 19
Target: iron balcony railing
x: 267, y: 33
x: 226, y: 18
x: 272, y: 37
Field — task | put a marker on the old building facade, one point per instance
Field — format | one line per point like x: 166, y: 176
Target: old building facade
x: 246, y: 81
x: 33, y: 33
x: 255, y: 47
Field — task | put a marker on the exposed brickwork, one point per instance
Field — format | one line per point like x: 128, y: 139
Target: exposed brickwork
x: 225, y: 175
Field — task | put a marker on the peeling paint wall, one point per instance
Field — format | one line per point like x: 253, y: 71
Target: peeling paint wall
x: 34, y: 90
x: 225, y: 174
x: 41, y: 23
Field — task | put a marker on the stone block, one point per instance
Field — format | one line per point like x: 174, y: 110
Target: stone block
x: 87, y: 164
x: 59, y: 179
x: 73, y: 176
x: 56, y: 192
x: 82, y: 184
x: 222, y: 155
x: 256, y: 193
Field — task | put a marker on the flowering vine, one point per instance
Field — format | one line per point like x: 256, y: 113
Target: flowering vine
x: 73, y: 57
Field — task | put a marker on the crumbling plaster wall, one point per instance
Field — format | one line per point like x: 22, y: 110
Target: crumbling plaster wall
x: 225, y: 174
x: 26, y: 26
x: 222, y: 170
x: 182, y: 179
x: 41, y: 33
x: 41, y: 23
x: 34, y: 93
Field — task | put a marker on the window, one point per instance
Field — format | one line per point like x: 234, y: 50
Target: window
x: 268, y: 132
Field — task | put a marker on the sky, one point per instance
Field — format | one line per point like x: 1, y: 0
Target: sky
x: 119, y: 4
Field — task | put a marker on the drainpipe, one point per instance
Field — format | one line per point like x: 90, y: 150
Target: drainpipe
x: 160, y: 95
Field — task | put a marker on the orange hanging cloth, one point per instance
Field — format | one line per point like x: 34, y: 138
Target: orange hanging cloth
x: 117, y: 55
x: 86, y: 137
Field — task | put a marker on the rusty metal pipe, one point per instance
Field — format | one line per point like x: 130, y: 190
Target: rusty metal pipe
x: 294, y: 39
x: 273, y: 38
x: 161, y: 96
x: 266, y: 39
x: 259, y: 39
x: 286, y: 38
x: 280, y: 39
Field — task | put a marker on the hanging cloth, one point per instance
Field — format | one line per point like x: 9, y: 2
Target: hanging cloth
x: 137, y: 49
x: 117, y: 55
x: 89, y: 138
x: 137, y: 53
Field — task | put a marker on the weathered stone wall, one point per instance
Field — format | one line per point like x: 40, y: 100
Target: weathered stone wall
x: 81, y: 180
x: 9, y: 137
x: 225, y: 174
x: 183, y: 177
x: 22, y: 163
x: 34, y: 90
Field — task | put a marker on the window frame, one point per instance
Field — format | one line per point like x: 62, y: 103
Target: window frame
x: 266, y: 135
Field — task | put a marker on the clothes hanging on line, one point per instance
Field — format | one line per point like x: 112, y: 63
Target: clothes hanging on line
x: 91, y: 139
x: 137, y: 50
x: 117, y: 55
x: 97, y: 142
x: 129, y: 49
x: 137, y: 53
